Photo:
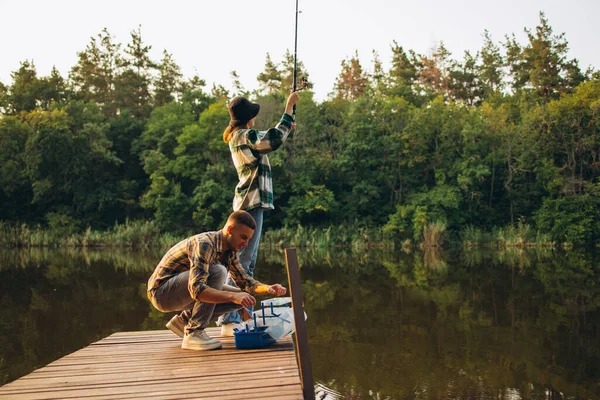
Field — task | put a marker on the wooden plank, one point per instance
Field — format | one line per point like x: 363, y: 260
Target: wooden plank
x: 208, y: 369
x: 149, y: 390
x: 134, y: 365
x: 199, y: 377
x: 284, y: 392
x: 211, y: 367
x: 140, y: 365
x: 93, y: 358
x: 301, y: 335
x: 101, y: 363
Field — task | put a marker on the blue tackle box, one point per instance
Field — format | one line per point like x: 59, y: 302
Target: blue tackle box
x: 254, y: 337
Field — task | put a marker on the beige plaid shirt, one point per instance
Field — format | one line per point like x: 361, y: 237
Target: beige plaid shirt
x: 196, y: 254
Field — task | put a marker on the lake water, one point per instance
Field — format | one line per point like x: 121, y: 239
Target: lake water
x: 469, y: 324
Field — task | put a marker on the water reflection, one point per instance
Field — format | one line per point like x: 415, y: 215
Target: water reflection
x: 462, y: 324
x: 436, y: 324
x: 55, y: 302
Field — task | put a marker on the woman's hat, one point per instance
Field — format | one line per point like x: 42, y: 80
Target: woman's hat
x: 241, y: 110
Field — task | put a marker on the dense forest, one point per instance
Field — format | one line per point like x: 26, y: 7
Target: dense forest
x: 508, y: 135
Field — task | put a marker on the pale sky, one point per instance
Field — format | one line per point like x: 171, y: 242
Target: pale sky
x: 213, y: 38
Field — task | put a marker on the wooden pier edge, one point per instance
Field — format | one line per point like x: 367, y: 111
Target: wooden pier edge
x: 301, y: 335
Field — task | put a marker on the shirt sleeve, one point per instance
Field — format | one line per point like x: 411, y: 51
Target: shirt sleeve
x: 202, y: 254
x: 268, y: 141
x: 240, y: 276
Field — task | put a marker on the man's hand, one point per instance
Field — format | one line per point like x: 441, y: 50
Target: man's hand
x: 244, y: 299
x: 275, y: 289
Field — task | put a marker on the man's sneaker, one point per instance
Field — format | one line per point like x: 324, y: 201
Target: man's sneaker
x: 176, y: 325
x: 228, y: 329
x: 199, y: 340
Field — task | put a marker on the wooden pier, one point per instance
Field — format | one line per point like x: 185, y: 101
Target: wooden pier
x: 151, y: 365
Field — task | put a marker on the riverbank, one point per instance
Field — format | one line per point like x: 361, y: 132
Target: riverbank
x: 146, y: 234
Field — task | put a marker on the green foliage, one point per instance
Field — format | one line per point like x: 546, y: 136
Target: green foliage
x: 571, y: 219
x: 430, y: 149
x: 311, y: 204
x: 62, y: 225
x: 15, y: 190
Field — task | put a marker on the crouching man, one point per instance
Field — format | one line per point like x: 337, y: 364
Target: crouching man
x: 191, y: 278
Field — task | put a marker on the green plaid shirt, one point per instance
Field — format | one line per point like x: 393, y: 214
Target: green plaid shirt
x: 196, y: 254
x: 249, y: 149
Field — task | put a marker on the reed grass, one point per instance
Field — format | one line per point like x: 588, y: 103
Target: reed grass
x: 133, y: 234
x: 344, y: 235
x: 433, y: 234
x: 517, y: 235
x: 146, y: 234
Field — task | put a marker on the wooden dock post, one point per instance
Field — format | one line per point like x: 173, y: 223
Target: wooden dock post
x: 301, y: 335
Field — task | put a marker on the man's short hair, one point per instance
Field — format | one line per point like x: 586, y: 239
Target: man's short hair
x: 242, y: 217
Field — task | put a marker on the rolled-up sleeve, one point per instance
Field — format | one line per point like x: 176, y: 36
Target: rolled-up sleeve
x: 202, y: 254
x: 270, y: 140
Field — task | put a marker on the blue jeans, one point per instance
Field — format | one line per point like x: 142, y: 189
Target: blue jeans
x: 247, y: 257
x: 173, y: 295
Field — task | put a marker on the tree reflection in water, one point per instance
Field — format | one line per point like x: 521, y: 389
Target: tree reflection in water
x: 435, y: 324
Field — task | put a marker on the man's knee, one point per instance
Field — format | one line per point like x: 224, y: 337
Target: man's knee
x: 217, y: 275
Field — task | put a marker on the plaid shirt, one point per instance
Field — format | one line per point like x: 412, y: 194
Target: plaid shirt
x: 249, y: 149
x: 196, y: 254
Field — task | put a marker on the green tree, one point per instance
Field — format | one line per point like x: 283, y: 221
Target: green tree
x: 571, y: 218
x: 403, y: 73
x: 570, y: 137
x: 132, y: 84
x: 542, y: 63
x: 490, y: 70
x: 287, y: 71
x: 156, y: 149
x: 130, y: 179
x: 93, y: 77
x: 69, y: 166
x: 52, y: 90
x: 545, y: 56
x: 24, y: 91
x: 516, y: 63
x: 169, y: 80
x: 271, y: 79
x: 192, y: 93
x: 3, y: 99
x: 15, y: 187
x: 464, y: 84
x: 378, y: 81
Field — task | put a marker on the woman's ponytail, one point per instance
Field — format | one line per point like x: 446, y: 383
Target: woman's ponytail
x: 227, y: 134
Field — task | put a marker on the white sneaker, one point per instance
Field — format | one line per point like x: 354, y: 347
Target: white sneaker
x: 176, y: 325
x: 199, y: 340
x: 228, y: 329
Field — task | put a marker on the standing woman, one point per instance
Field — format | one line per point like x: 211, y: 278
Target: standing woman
x: 254, y: 191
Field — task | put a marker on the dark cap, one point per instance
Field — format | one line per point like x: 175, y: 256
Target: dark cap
x: 241, y: 110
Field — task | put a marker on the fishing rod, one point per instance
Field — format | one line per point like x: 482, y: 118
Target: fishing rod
x: 295, y: 59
